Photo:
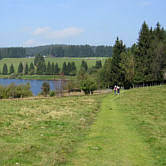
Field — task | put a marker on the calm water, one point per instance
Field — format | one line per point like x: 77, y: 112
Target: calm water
x: 35, y: 84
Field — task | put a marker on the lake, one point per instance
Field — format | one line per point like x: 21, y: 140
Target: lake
x: 35, y: 84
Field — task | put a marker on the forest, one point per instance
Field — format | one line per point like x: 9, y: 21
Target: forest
x: 142, y: 64
x: 57, y: 51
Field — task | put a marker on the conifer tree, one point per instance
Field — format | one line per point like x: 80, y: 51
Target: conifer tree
x: 40, y: 68
x: 11, y: 69
x: 26, y: 69
x: 84, y: 65
x: 44, y: 67
x: 68, y: 68
x: 38, y: 59
x: 52, y: 68
x: 48, y: 70
x: 20, y: 68
x: 98, y: 64
x: 64, y: 68
x: 56, y: 69
x: 144, y: 57
x: 117, y: 76
x: 73, y: 69
x: 5, y: 69
x: 31, y: 69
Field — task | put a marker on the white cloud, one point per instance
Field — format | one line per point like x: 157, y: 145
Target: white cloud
x: 49, y: 33
x: 31, y: 43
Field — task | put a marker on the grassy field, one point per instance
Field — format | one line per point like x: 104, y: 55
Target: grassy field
x: 44, y: 132
x: 16, y: 61
x: 123, y: 130
x: 130, y: 130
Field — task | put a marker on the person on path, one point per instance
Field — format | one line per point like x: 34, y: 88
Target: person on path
x: 115, y: 89
x: 118, y: 90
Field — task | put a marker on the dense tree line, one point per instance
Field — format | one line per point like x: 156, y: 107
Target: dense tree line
x: 57, y: 51
x: 13, y: 52
x: 80, y: 51
x: 40, y: 67
x: 142, y: 64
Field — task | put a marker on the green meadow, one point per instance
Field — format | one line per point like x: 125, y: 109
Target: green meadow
x: 97, y: 130
x: 44, y: 132
x: 130, y: 130
x: 15, y: 61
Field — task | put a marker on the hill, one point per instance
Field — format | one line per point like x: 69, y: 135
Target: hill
x: 57, y: 51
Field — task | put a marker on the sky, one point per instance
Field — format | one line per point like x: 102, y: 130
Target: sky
x: 29, y: 23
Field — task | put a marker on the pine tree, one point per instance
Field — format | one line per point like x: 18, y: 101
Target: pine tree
x: 44, y: 67
x: 48, y: 70
x: 64, y: 68
x: 31, y: 69
x: 52, y: 68
x: 84, y: 65
x: 5, y: 69
x: 98, y: 64
x: 40, y: 68
x: 38, y: 59
x: 26, y: 69
x: 20, y: 68
x: 11, y: 69
x: 68, y: 68
x: 73, y: 68
x: 56, y: 69
x: 117, y: 77
x: 127, y: 67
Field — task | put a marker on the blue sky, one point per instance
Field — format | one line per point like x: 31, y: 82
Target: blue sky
x: 94, y: 22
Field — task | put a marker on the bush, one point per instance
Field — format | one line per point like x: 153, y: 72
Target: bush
x: 52, y: 93
x: 15, y: 91
x: 45, y: 88
x: 88, y: 86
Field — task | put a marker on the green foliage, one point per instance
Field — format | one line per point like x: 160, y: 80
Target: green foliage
x: 82, y: 75
x: 104, y: 75
x: 20, y: 68
x: 88, y: 86
x: 41, y: 68
x: 5, y: 69
x: 71, y: 51
x: 45, y: 88
x: 15, y: 91
x: 39, y: 59
x: 56, y: 69
x: 49, y: 69
x: 13, y: 52
x: 26, y: 69
x: 142, y: 64
x: 52, y: 93
x: 64, y: 69
x: 52, y: 68
x: 127, y: 67
x: 84, y: 65
x: 98, y: 64
x: 31, y: 69
x: 11, y: 69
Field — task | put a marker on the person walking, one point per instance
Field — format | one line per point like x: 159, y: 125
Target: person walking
x: 118, y: 90
x: 115, y: 89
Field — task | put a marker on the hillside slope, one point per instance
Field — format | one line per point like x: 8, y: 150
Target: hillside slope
x: 130, y: 131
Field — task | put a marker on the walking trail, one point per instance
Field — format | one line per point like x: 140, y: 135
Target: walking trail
x: 112, y: 141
